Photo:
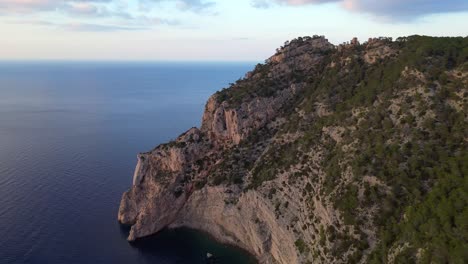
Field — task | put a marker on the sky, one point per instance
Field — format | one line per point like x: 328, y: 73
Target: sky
x: 208, y: 30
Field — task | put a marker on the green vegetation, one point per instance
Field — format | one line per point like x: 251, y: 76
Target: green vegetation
x: 244, y: 89
x: 175, y: 144
x: 301, y: 246
x: 438, y: 224
x: 404, y: 143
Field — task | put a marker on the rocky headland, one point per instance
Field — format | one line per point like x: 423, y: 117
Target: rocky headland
x: 314, y: 154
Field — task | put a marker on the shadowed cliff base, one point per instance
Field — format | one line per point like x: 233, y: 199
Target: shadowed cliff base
x: 187, y: 246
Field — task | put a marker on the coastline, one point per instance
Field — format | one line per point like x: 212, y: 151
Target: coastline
x: 218, y: 249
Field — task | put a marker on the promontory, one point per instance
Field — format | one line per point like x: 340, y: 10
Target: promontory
x: 350, y: 153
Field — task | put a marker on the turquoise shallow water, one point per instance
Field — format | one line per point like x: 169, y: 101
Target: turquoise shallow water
x: 69, y: 135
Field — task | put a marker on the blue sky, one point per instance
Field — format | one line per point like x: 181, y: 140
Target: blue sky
x: 208, y: 30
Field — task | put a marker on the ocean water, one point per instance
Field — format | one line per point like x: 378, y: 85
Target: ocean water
x: 69, y: 136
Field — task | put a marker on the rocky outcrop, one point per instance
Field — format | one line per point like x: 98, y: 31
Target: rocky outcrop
x: 301, y: 49
x: 378, y: 49
x: 225, y: 125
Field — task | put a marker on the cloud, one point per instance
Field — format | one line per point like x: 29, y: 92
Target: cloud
x: 96, y: 27
x: 261, y: 4
x: 93, y: 27
x: 405, y: 9
x: 31, y: 6
x: 83, y: 8
x: 70, y: 7
x: 241, y: 38
x: 196, y: 6
x: 391, y: 10
x: 93, y: 15
x: 137, y: 23
x: 270, y: 3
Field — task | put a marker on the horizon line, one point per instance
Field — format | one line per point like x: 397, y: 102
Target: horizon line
x: 123, y: 61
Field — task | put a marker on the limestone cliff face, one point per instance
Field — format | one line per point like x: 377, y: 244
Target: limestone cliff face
x: 250, y: 223
x: 164, y: 192
x: 171, y: 185
x: 225, y: 125
x: 281, y: 164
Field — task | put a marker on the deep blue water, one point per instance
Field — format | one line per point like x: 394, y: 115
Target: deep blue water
x: 69, y: 136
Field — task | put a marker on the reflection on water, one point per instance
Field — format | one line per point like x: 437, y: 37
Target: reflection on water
x: 69, y: 136
x: 185, y: 245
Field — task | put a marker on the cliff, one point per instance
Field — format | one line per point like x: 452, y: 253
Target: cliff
x: 306, y: 159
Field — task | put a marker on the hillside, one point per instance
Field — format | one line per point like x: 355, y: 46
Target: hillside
x: 354, y: 153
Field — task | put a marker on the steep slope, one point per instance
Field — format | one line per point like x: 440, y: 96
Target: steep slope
x: 354, y: 153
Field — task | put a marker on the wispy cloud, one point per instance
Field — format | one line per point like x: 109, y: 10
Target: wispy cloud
x: 261, y: 3
x: 78, y: 26
x: 139, y: 23
x: 389, y: 10
x: 96, y: 15
x: 33, y: 6
x: 96, y: 27
x: 195, y: 6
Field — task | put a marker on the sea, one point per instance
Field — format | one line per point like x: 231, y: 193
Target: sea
x: 69, y: 136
